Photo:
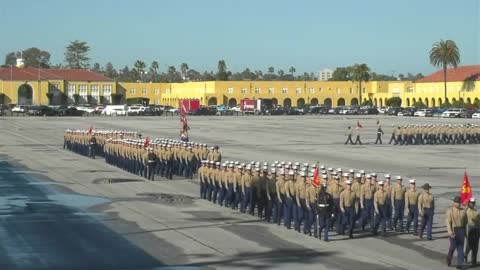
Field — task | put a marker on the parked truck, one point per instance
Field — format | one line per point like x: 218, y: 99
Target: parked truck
x: 190, y: 105
x: 248, y: 106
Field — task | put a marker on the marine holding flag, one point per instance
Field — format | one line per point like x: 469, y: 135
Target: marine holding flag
x: 184, y: 124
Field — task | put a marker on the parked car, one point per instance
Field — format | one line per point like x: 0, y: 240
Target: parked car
x: 134, y: 110
x: 149, y: 112
x: 20, y: 109
x: 476, y: 115
x: 204, y: 111
x: 157, y: 110
x: 454, y: 112
x: 115, y: 110
x: 423, y: 113
x: 236, y: 109
x: 170, y: 109
x: 394, y: 110
x: 85, y: 108
x: 318, y: 110
x: 41, y: 111
x: 437, y: 112
x: 294, y: 111
x: 407, y: 112
x: 72, y: 111
x: 98, y: 109
x: 369, y: 111
x: 469, y: 113
x: 278, y: 111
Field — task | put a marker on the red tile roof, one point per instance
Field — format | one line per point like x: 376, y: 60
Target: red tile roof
x: 31, y: 74
x: 458, y: 74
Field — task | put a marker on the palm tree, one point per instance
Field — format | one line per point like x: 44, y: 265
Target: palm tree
x: 154, y: 67
x: 292, y: 71
x: 140, y: 66
x: 184, y: 69
x: 443, y: 54
x: 360, y: 73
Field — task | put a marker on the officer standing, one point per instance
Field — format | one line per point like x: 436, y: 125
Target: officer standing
x: 151, y: 160
x: 456, y: 223
x: 324, y: 211
x: 92, y: 146
x: 379, y: 135
x: 473, y: 231
x: 289, y: 197
x: 426, y: 205
x: 271, y: 196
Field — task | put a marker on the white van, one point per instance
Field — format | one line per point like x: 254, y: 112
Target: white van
x: 113, y: 110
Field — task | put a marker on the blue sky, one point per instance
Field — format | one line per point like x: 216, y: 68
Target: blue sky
x: 390, y: 36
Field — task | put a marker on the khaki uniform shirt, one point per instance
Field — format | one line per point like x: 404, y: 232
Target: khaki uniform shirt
x: 456, y: 217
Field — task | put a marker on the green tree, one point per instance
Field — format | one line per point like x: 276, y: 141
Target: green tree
x: 443, y: 54
x: 184, y: 69
x: 222, y: 72
x: 97, y: 68
x: 341, y: 74
x: 110, y: 71
x: 76, y: 55
x: 10, y: 59
x: 360, y: 73
x: 140, y: 68
x: 154, y: 67
x: 271, y: 70
x: 394, y: 102
x: 292, y: 71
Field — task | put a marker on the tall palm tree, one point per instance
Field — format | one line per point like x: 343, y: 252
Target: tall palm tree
x: 140, y: 66
x: 292, y: 71
x: 154, y: 67
x: 184, y: 69
x: 443, y: 54
x: 360, y: 73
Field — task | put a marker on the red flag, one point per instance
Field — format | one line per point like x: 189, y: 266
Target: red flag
x: 90, y: 130
x: 183, y: 117
x: 146, y: 143
x: 358, y: 124
x: 466, y: 192
x: 316, y: 180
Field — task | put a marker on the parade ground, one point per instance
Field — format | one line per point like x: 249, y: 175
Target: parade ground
x: 60, y: 210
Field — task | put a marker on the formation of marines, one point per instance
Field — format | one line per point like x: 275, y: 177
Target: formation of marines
x: 92, y: 142
x: 288, y: 193
x: 310, y: 199
x: 434, y: 134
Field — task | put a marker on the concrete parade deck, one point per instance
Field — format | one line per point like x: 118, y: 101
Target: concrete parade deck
x: 57, y: 210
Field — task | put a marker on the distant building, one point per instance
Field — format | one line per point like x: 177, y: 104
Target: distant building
x: 325, y: 74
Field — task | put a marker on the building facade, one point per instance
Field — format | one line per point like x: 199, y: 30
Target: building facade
x: 28, y: 86
x: 325, y: 74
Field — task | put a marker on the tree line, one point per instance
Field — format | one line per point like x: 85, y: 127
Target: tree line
x: 77, y: 57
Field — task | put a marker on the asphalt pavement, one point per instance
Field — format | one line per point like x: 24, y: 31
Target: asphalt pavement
x: 63, y: 211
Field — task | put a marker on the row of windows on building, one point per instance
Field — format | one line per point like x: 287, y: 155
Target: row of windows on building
x: 298, y: 90
x: 439, y: 89
x: 133, y: 91
x: 83, y: 89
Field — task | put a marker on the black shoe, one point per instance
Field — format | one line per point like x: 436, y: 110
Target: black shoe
x: 448, y: 261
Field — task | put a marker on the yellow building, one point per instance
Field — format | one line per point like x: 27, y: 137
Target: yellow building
x: 66, y: 86
x: 32, y: 86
